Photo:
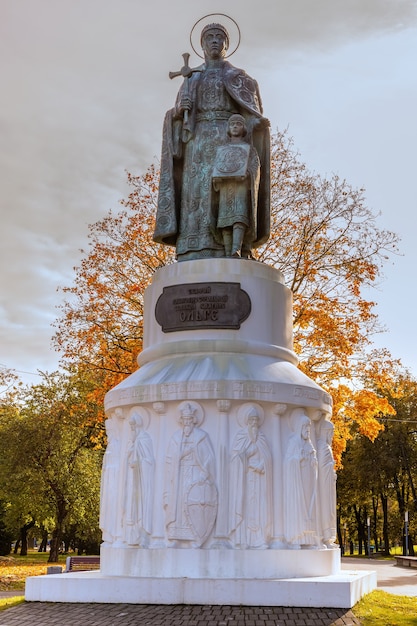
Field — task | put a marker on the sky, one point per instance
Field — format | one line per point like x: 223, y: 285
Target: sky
x: 84, y: 89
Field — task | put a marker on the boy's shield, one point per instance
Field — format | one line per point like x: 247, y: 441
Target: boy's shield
x: 201, y: 507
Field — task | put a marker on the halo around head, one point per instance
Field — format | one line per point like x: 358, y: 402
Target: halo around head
x: 226, y: 22
x: 140, y: 411
x: 327, y: 425
x: 190, y: 408
x: 248, y: 409
x: 298, y: 418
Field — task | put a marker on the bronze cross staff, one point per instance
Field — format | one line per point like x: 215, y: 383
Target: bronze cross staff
x: 186, y: 72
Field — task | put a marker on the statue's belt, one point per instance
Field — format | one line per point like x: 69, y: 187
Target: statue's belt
x: 208, y: 116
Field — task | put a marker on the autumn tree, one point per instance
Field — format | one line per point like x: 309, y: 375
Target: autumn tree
x: 328, y: 245
x: 9, y: 381
x: 324, y: 239
x: 400, y: 438
x: 363, y: 492
x: 379, y: 477
x: 49, y: 464
x: 102, y: 320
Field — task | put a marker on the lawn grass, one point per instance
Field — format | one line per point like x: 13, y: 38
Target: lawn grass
x: 7, y: 603
x: 14, y: 569
x: 380, y: 608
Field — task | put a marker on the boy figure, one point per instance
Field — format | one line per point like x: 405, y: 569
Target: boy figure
x: 236, y: 179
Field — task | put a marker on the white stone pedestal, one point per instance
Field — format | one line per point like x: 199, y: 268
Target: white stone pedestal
x: 216, y: 488
x: 341, y: 590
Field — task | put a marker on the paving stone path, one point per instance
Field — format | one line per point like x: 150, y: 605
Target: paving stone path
x: 65, y: 614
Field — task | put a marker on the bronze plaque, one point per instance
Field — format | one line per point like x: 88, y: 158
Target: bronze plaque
x: 202, y: 305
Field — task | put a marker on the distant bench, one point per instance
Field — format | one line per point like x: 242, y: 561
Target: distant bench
x: 82, y: 563
x: 406, y: 561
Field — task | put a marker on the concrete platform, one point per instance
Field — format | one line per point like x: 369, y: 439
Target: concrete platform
x: 171, y: 563
x: 340, y: 590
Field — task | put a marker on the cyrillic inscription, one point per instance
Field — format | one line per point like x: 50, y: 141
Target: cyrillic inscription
x: 202, y: 305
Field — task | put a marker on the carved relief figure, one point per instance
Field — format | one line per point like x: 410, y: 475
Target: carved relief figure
x: 190, y: 498
x: 137, y: 515
x: 300, y: 485
x: 193, y: 130
x: 109, y: 483
x: 251, y: 484
x: 236, y: 179
x: 327, y: 483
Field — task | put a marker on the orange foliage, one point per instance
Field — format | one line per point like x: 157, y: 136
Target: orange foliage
x: 324, y: 240
x: 13, y: 572
x: 102, y: 319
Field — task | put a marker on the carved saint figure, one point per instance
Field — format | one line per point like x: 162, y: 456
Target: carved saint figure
x: 109, y: 483
x: 193, y: 130
x: 300, y: 485
x: 137, y: 517
x: 190, y: 497
x: 327, y: 483
x: 236, y: 179
x: 251, y: 485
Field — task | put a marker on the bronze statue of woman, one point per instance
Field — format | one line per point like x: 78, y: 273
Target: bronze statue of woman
x: 193, y: 130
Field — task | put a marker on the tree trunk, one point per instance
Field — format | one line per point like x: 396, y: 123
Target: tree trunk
x: 44, y: 542
x: 385, y: 533
x: 409, y: 474
x: 57, y: 534
x: 55, y: 543
x: 360, y: 528
x: 24, y: 537
x: 339, y: 537
x: 375, y: 536
x: 402, y: 507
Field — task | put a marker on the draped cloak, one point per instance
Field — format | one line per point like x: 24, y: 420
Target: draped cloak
x: 250, y: 504
x: 243, y: 93
x: 109, y: 477
x: 327, y: 489
x: 190, y: 465
x: 137, y: 516
x: 300, y: 489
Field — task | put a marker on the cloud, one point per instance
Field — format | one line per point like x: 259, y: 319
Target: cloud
x: 84, y: 90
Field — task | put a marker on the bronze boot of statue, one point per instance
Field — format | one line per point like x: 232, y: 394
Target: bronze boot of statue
x: 238, y: 234
x: 227, y: 241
